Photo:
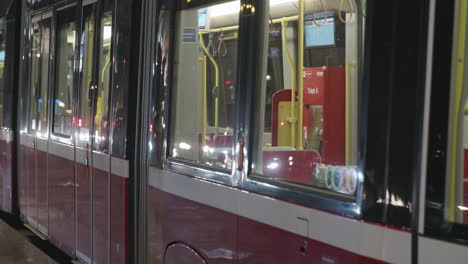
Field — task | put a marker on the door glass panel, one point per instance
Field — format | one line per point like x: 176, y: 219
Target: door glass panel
x: 42, y: 125
x: 64, y: 73
x: 101, y: 118
x: 308, y: 105
x: 2, y: 67
x: 204, y: 82
x: 35, y: 74
x: 86, y: 71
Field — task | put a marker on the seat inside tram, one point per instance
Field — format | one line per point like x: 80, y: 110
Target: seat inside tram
x: 306, y: 122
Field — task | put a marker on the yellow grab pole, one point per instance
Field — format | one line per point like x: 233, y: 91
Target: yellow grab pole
x: 204, y: 119
x: 460, y: 67
x: 292, y: 119
x: 300, y: 73
x: 349, y: 64
x: 215, y: 65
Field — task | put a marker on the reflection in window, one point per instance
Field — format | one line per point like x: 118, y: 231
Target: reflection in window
x: 86, y: 65
x: 308, y: 104
x: 64, y: 75
x: 204, y: 81
x: 39, y: 76
x: 2, y: 67
x: 455, y: 204
x: 101, y: 118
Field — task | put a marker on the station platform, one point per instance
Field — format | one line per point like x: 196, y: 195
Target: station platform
x: 19, y: 245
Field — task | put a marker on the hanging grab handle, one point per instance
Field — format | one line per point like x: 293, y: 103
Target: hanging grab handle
x: 325, y: 15
x: 222, y: 45
x: 351, y: 11
x: 210, y: 47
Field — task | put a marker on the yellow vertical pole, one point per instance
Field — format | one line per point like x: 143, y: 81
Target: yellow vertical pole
x: 460, y: 68
x: 292, y: 119
x: 300, y: 74
x: 215, y: 65
x: 204, y: 119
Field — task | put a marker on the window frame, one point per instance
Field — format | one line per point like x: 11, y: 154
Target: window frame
x: 74, y: 7
x: 249, y: 27
x: 309, y: 196
x: 434, y: 223
x: 186, y: 167
x: 37, y: 17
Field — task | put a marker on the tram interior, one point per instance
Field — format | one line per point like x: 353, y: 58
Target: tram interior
x: 308, y: 140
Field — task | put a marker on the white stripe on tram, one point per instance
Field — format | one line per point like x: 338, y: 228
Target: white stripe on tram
x: 361, y: 238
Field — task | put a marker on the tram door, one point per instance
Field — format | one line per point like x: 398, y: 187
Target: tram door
x: 92, y: 133
x: 443, y: 215
x: 34, y: 143
x: 84, y: 126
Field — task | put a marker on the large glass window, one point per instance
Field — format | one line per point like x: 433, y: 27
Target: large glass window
x: 101, y: 118
x: 204, y: 83
x: 64, y: 73
x: 447, y: 192
x: 2, y: 67
x: 39, y: 76
x: 86, y: 80
x: 307, y: 105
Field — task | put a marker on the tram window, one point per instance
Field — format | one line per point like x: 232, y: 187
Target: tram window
x: 64, y: 73
x: 204, y: 80
x: 447, y: 167
x: 35, y: 73
x: 86, y: 80
x: 2, y: 67
x: 39, y: 76
x: 101, y: 118
x: 308, y: 114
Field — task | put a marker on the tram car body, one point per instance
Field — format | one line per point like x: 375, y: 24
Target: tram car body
x: 204, y: 131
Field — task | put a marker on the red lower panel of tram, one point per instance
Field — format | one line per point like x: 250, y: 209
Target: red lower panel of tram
x: 214, y: 233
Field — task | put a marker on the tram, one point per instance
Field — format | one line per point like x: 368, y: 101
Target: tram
x: 246, y: 131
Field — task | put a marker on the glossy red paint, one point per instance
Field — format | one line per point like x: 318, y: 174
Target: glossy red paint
x: 182, y: 254
x: 6, y: 152
x: 156, y: 247
x: 118, y: 220
x: 42, y: 199
x: 213, y: 233
x: 61, y: 191
x: 331, y: 81
x: 465, y: 162
x: 3, y: 153
x: 297, y: 166
x: 83, y: 210
x: 2, y: 169
x: 23, y: 180
x: 465, y: 201
x: 261, y: 243
x: 100, y: 216
x: 173, y: 219
x: 32, y: 185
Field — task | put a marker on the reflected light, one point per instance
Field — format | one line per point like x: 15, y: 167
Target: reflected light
x: 225, y: 9
x: 185, y: 146
x: 463, y: 208
x: 206, y: 149
x: 107, y: 34
x: 234, y: 7
x: 273, y: 165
